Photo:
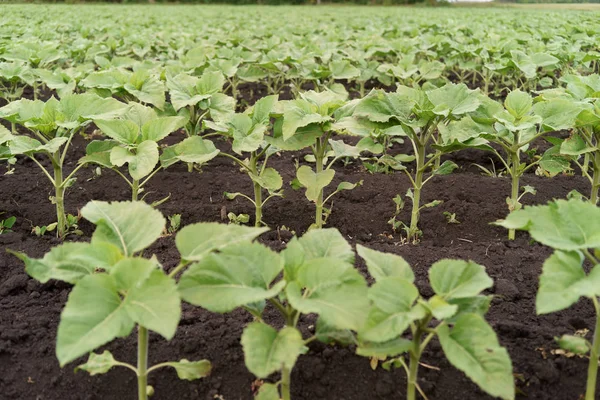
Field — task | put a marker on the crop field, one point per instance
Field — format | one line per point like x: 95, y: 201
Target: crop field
x: 327, y: 202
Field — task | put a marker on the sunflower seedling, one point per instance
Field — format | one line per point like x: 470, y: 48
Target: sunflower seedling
x: 454, y: 315
x: 571, y: 228
x: 318, y: 278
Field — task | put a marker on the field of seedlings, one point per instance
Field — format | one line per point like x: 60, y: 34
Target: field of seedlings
x: 337, y: 203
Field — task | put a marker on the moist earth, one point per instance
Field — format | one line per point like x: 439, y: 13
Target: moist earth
x: 30, y: 311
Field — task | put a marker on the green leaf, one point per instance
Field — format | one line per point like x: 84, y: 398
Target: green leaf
x: 268, y: 179
x: 573, y: 344
x: 152, y: 299
x: 472, y: 347
x: 390, y: 348
x: 261, y: 111
x: 197, y: 240
x: 379, y: 106
x: 236, y: 276
x: 562, y: 224
x: 440, y: 308
x: 93, y: 316
x: 131, y: 226
x: 337, y: 292
x: 298, y: 114
x: 246, y: 136
x: 266, y: 350
x: 314, y: 182
x: 221, y: 107
x: 210, y: 82
x: 557, y: 114
x: 141, y: 163
x: 392, y: 311
x: 191, y: 370
x: 518, y: 103
x: 98, y: 363
x: 453, y: 99
x: 268, y: 391
x: 563, y: 282
x: 160, y: 128
x: 192, y: 150
x: 446, y: 168
x: 575, y: 145
x: 123, y: 131
x: 455, y: 279
x: 70, y: 262
x: 341, y: 149
x: 382, y: 265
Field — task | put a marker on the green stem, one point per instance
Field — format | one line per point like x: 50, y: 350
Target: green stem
x: 142, y: 367
x: 413, y: 368
x: 595, y: 178
x: 258, y: 202
x: 514, y: 197
x: 413, y: 231
x: 319, y: 155
x: 59, y: 194
x: 135, y: 189
x: 285, y: 383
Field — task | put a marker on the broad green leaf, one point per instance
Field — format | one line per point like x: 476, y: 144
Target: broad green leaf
x: 267, y: 350
x: 141, y: 161
x: 268, y: 391
x: 190, y: 370
x: 131, y: 226
x: 342, y: 149
x: 262, y: 109
x: 562, y: 224
x: 563, y: 282
x: 98, y: 363
x: 343, y: 306
x: 392, y: 311
x: 197, y: 240
x: 440, y: 308
x: 298, y: 114
x: 314, y: 182
x: 152, y: 302
x: 94, y: 315
x: 518, y: 103
x: 70, y: 262
x: 236, y: 276
x: 27, y: 145
x: 453, y: 99
x: 5, y: 135
x: 455, y: 279
x: 379, y: 106
x: 575, y: 145
x: 222, y: 107
x: 573, y: 344
x: 192, y: 150
x: 246, y: 136
x: 472, y: 347
x: 160, y: 128
x: 382, y: 265
x: 390, y: 348
x: 319, y: 243
x: 557, y: 114
x: 123, y: 131
x: 210, y: 82
x: 446, y: 168
x: 269, y: 179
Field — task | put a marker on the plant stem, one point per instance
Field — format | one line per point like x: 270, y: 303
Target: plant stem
x: 319, y: 156
x: 59, y: 194
x: 285, y: 383
x: 595, y: 178
x: 413, y: 231
x: 135, y: 188
x: 258, y: 202
x: 142, y: 367
x: 413, y: 369
x: 514, y: 197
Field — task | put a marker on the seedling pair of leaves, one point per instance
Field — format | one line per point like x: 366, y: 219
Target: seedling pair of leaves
x: 310, y: 122
x: 318, y: 278
x: 140, y: 85
x: 454, y: 315
x: 7, y: 224
x: 420, y: 114
x: 583, y: 146
x: 51, y: 126
x: 514, y: 126
x: 247, y: 132
x: 572, y: 229
x: 133, y: 140
x: 116, y: 289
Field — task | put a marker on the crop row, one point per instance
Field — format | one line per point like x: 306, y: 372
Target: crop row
x: 116, y: 289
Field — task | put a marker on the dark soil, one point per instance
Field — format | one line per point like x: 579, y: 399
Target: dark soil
x: 29, y: 311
